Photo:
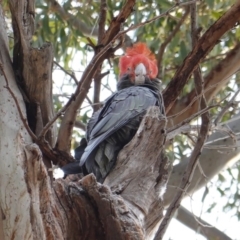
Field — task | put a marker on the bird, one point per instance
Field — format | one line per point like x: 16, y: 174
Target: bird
x: 116, y: 123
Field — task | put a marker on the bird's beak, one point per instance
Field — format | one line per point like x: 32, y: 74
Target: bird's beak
x: 140, y: 73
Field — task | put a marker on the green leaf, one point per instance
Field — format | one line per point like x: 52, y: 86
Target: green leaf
x: 221, y: 178
x: 210, y: 3
x: 183, y: 50
x: 217, y: 14
x: 211, y: 207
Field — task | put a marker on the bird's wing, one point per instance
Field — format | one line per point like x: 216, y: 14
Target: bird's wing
x: 121, y: 108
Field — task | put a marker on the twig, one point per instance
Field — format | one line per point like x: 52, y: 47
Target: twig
x: 216, y: 57
x: 224, y: 110
x: 182, y: 4
x: 89, y: 101
x: 102, y: 20
x: 168, y: 40
x: 91, y: 105
x: 221, y: 138
x: 80, y: 125
x: 174, y: 17
x: 59, y: 113
x: 192, y: 137
x: 201, y: 112
x: 229, y: 121
x: 227, y: 130
x: 183, y: 129
x: 196, y: 97
x: 180, y: 189
x: 107, y: 87
x: 72, y: 75
x: 201, y: 170
x: 219, y: 147
x: 210, y: 232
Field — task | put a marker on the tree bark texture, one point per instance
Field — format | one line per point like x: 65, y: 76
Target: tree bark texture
x: 141, y: 172
x: 33, y: 69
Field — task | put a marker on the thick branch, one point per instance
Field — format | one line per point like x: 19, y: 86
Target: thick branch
x: 201, y: 49
x: 102, y: 20
x: 213, y: 82
x: 97, y: 89
x: 33, y: 68
x: 141, y: 171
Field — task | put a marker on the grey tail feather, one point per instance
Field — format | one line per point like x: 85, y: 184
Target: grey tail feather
x: 73, y: 167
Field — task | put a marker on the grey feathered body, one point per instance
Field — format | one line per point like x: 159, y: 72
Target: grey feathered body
x: 114, y: 125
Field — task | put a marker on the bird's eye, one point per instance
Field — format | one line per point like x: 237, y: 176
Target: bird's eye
x: 128, y: 68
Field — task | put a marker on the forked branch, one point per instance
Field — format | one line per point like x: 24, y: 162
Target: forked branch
x: 204, y: 45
